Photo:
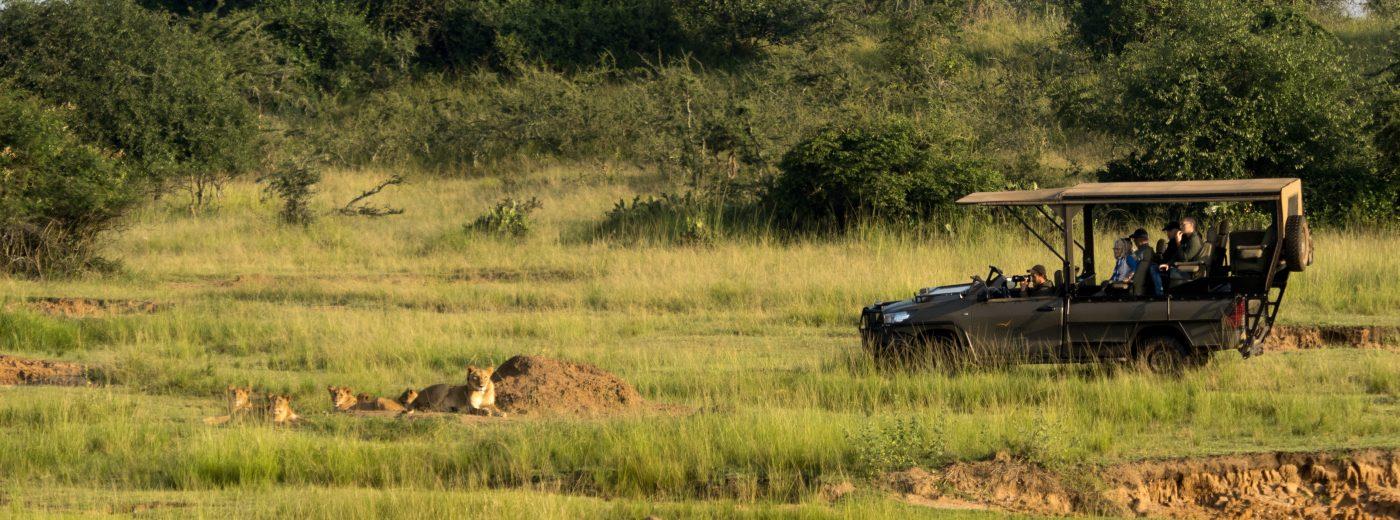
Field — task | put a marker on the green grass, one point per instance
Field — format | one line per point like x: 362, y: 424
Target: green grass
x: 754, y: 334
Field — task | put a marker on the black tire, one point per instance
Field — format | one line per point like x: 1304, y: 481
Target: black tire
x: 1297, y: 243
x: 1164, y: 355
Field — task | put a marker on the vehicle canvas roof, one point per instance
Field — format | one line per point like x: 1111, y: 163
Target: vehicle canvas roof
x: 1139, y: 192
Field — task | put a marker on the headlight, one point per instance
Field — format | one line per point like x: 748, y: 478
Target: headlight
x: 896, y: 317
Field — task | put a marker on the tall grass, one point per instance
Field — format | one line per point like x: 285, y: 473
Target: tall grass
x: 754, y: 336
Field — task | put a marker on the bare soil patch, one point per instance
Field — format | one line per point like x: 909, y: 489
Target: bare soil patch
x: 1355, y: 485
x: 534, y: 385
x: 1303, y: 337
x: 90, y: 307
x: 21, y: 371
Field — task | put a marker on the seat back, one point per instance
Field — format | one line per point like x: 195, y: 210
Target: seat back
x: 1249, y: 252
x: 1220, y: 244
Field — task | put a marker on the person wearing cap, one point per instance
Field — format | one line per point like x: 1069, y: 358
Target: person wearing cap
x: 1036, y: 283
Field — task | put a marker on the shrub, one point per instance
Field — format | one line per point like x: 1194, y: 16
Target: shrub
x: 294, y: 182
x: 739, y: 26
x: 892, y: 170
x: 509, y: 218
x: 580, y: 32
x: 345, y: 52
x: 1240, y: 93
x: 58, y: 192
x: 679, y: 219
x: 142, y: 85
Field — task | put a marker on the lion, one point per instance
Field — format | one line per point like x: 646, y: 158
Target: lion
x: 344, y: 399
x: 279, y: 409
x: 477, y: 397
x: 240, y: 401
x: 407, y: 398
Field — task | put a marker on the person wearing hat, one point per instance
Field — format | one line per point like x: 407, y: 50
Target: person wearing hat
x: 1036, y: 283
x: 1184, y: 246
x: 1146, y: 280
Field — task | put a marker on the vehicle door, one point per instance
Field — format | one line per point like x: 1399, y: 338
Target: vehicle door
x: 1015, y: 329
x: 1103, y: 328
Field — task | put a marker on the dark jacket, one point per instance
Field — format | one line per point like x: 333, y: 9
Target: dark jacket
x: 1192, y: 248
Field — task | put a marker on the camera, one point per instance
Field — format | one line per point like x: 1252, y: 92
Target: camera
x: 1018, y: 278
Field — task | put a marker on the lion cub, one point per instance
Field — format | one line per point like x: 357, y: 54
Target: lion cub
x: 344, y: 399
x: 240, y: 400
x: 477, y: 397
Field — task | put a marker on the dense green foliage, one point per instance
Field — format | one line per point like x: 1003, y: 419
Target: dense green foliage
x: 1239, y: 93
x: 890, y: 170
x: 711, y: 96
x: 58, y: 191
x: 140, y: 83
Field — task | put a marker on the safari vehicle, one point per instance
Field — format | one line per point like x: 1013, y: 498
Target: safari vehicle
x: 1228, y: 301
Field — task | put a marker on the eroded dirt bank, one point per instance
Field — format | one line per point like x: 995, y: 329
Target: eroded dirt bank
x: 1302, y: 337
x: 23, y: 371
x: 1352, y: 485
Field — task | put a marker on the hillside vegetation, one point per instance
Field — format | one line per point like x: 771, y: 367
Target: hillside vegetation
x: 726, y: 105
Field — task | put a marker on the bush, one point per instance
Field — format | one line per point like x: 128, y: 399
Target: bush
x: 58, y: 193
x: 345, y: 52
x: 509, y: 218
x: 890, y: 170
x: 741, y: 26
x: 678, y: 219
x: 1240, y: 93
x: 142, y: 85
x: 580, y: 32
x: 294, y: 182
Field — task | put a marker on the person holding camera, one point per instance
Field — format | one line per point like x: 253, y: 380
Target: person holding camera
x: 1035, y: 283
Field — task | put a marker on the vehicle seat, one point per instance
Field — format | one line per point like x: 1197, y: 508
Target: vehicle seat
x: 1220, y: 245
x: 1249, y: 252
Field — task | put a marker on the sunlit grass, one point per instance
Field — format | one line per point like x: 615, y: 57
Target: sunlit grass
x: 753, y: 335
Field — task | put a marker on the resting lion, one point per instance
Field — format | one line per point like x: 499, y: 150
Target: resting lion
x: 279, y: 410
x: 240, y: 401
x: 477, y: 397
x: 345, y: 399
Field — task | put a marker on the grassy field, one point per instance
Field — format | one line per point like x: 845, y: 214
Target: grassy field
x: 753, y: 333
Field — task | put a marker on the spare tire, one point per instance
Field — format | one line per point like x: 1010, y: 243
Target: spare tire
x: 1297, y: 243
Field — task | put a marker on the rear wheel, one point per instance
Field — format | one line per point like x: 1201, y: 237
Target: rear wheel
x: 1167, y: 355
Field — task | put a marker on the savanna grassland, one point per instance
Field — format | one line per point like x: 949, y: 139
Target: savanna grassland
x: 754, y: 337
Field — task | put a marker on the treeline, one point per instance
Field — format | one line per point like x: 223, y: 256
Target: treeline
x: 819, y: 112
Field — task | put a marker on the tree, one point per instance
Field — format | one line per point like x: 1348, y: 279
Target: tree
x: 152, y: 90
x: 1235, y: 92
x: 57, y: 192
x: 892, y: 170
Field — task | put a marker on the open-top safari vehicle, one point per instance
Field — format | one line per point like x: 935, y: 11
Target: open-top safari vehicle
x: 1228, y: 300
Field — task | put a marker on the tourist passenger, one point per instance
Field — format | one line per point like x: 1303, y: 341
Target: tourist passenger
x: 1125, y: 263
x: 1146, y: 280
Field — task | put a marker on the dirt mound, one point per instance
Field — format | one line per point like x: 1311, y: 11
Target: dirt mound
x: 1357, y: 485
x: 540, y: 385
x: 21, y: 371
x: 1302, y: 337
x: 86, y: 307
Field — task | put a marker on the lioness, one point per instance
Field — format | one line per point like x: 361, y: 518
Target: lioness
x: 407, y: 398
x: 279, y: 410
x: 477, y: 397
x: 344, y: 399
x: 240, y: 400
